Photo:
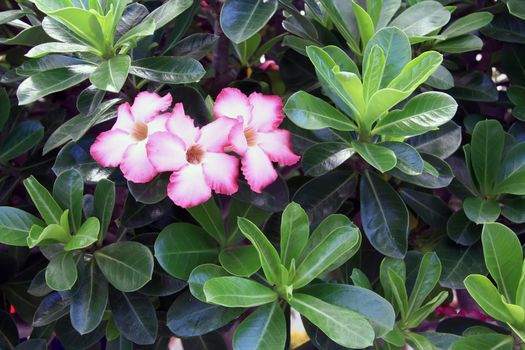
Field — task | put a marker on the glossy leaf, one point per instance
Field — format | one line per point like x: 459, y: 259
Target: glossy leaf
x: 111, y: 75
x: 242, y: 19
x: 61, y: 273
x: 481, y: 211
x: 24, y: 137
x: 168, y: 70
x: 237, y: 292
x: 381, y: 158
x: 241, y: 261
x: 44, y: 202
x: 68, y: 190
x: 15, y: 225
x: 86, y: 235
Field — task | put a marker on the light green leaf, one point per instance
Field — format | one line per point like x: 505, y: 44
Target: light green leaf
x: 48, y: 48
x: 15, y: 225
x: 111, y: 74
x: 312, y: 113
x: 488, y: 297
x: 44, y: 202
x: 200, y: 275
x: 165, y: 13
x: 61, y: 273
x: 68, y: 190
x: 417, y: 71
x: 381, y: 158
x: 464, y: 43
x: 468, y: 24
x: 345, y: 327
x: 47, y: 235
x: 233, y: 291
x: 503, y: 257
x: 86, y: 235
x: 132, y: 36
x: 295, y: 229
x: 423, y: 113
x: 422, y: 18
x: 373, y: 72
x: 270, y: 261
x: 364, y: 23
x: 427, y: 278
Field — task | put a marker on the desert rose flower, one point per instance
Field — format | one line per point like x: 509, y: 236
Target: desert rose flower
x: 125, y: 144
x: 255, y: 136
x: 196, y: 157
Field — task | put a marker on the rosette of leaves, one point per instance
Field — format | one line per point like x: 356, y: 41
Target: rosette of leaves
x: 94, y: 41
x: 503, y: 296
x: 287, y: 278
x: 81, y: 277
x: 494, y: 185
x: 413, y: 300
x: 365, y: 124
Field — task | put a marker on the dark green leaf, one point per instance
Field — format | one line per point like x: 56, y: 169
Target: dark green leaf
x: 24, y: 136
x: 168, y: 70
x: 265, y: 329
x: 241, y: 19
x: 241, y: 261
x: 68, y: 191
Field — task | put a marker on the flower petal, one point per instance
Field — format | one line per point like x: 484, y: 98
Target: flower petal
x: 135, y: 164
x: 109, y: 147
x: 183, y: 126
x: 238, y: 139
x: 232, y: 103
x: 214, y: 136
x: 124, y: 118
x: 267, y: 111
x: 277, y: 146
x: 166, y: 151
x: 148, y: 104
x: 221, y: 172
x: 188, y: 188
x: 257, y: 169
x: 158, y: 123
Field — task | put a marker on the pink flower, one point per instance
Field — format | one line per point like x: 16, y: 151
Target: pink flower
x: 196, y: 157
x: 255, y: 136
x: 125, y: 144
x: 269, y: 65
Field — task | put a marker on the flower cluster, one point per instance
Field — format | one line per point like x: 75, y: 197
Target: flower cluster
x: 147, y: 139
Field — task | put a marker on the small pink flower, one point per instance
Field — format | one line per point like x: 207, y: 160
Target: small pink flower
x: 269, y: 65
x: 196, y: 157
x: 255, y: 136
x: 125, y: 144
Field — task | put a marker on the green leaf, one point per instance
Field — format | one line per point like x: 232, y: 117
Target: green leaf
x: 418, y: 342
x: 382, y: 101
x: 188, y: 317
x: 481, y: 211
x: 103, y: 203
x: 111, y: 74
x: 373, y: 307
x: 364, y: 23
x: 49, y: 48
x: 312, y: 113
x: 48, y: 82
x: 516, y: 8
x: 68, y: 190
x: 417, y: 71
x: 84, y: 24
x: 458, y: 262
x: 61, y: 273
x: 209, y: 217
x: 503, y: 257
x: 86, y: 235
x: 409, y: 160
x: 168, y: 70
x: 270, y: 261
x: 295, y: 229
x: 514, y: 209
x: 388, y: 9
x: 24, y: 137
x: 241, y: 19
x: 345, y: 327
x: 265, y: 329
x: 441, y: 79
x: 200, y: 275
x: 331, y: 244
x: 168, y: 11
x: 245, y: 49
x: 180, y: 247
x: 128, y: 266
x: 233, y: 291
x: 241, y: 261
x: 136, y: 33
x: 323, y: 157
x: 134, y: 316
x: 151, y: 192
x: 488, y: 297
x: 464, y: 43
x: 427, y: 278
x: 511, y: 176
x: 44, y: 236
x: 436, y: 173
x: 399, y: 292
x: 486, y: 152
x: 441, y: 143
x: 352, y: 85
x: 31, y: 36
x: 422, y: 18
x: 396, y: 49
x: 326, y: 68
x: 44, y: 202
x: 373, y: 68
x: 384, y: 216
x: 467, y: 24
x: 381, y: 158
x: 88, y: 302
x: 15, y: 225
x: 431, y: 209
x: 423, y: 113
x: 492, y: 341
